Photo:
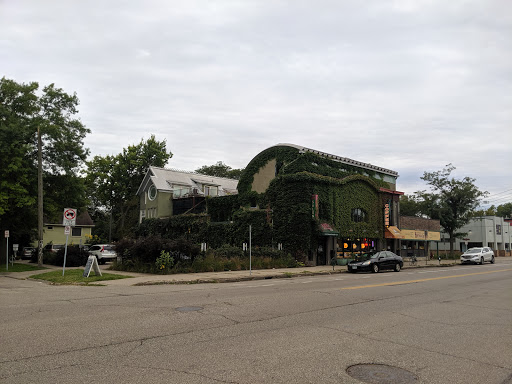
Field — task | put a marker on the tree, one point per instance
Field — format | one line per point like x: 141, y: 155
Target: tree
x: 450, y: 200
x: 112, y: 183
x: 23, y: 109
x: 409, y: 206
x: 504, y: 210
x: 220, y: 170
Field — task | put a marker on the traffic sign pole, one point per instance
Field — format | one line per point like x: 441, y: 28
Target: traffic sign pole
x: 65, y: 254
x: 7, y: 251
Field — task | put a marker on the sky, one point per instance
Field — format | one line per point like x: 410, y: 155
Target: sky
x: 408, y: 85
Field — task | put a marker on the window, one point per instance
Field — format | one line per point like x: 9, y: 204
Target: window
x: 152, y: 192
x: 358, y: 215
x: 76, y: 231
x: 50, y: 227
x: 210, y: 190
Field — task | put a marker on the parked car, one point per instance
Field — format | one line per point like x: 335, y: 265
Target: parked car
x: 376, y: 262
x: 103, y: 252
x: 27, y: 252
x: 477, y: 256
x: 53, y: 247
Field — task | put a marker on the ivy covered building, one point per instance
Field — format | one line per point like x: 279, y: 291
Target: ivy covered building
x: 320, y: 205
x: 312, y: 204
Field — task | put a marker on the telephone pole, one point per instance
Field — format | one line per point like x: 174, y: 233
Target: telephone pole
x: 39, y: 198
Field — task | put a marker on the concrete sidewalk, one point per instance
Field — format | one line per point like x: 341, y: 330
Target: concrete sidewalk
x: 219, y: 277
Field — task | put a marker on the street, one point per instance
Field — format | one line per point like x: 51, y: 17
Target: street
x: 431, y: 325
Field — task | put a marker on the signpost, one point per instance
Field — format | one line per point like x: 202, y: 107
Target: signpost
x: 7, y: 252
x: 69, y: 220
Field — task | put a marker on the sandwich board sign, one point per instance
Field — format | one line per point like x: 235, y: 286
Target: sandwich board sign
x: 69, y: 218
x: 92, y: 262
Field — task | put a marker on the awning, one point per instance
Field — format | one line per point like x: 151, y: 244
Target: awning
x: 393, y: 233
x: 327, y: 230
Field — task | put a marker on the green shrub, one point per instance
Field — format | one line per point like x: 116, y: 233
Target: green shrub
x: 164, y: 262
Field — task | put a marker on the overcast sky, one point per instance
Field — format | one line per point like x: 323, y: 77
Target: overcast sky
x: 409, y: 85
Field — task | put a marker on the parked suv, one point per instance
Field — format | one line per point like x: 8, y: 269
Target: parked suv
x: 103, y: 252
x: 477, y: 256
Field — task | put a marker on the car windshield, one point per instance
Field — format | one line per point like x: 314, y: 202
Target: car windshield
x: 474, y: 250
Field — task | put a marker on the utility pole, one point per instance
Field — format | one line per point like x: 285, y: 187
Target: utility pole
x: 39, y: 198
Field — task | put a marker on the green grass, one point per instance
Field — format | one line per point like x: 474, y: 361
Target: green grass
x: 17, y: 267
x: 74, y: 276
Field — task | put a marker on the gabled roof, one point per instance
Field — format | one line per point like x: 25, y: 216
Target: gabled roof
x: 170, y: 179
x: 344, y: 160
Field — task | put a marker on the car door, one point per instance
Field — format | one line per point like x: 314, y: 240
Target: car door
x: 488, y: 254
x: 387, y: 262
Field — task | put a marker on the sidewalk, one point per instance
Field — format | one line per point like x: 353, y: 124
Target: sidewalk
x: 219, y: 277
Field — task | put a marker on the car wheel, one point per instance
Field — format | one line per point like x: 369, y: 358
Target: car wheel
x: 375, y: 268
x: 397, y: 267
x: 492, y: 259
x: 481, y: 261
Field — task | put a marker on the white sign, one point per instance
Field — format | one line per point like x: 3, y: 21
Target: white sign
x: 92, y: 262
x: 69, y: 217
x: 7, y: 234
x: 67, y: 230
x: 15, y: 247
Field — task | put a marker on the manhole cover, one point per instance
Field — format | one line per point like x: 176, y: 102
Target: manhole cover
x: 188, y: 309
x: 381, y: 374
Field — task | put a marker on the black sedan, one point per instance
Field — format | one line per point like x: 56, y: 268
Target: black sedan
x: 376, y: 262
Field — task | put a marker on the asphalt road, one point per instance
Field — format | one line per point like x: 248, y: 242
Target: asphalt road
x: 440, y: 325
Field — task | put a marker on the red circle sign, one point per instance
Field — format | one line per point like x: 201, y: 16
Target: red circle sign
x: 69, y: 214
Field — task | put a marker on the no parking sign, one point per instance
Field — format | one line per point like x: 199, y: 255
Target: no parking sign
x: 69, y: 217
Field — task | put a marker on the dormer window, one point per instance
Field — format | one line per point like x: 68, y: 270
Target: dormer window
x: 210, y: 190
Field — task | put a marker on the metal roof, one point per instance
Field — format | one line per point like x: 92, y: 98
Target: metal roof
x: 344, y: 160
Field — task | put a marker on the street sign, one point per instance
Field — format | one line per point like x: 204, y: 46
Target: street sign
x: 67, y: 230
x: 15, y: 247
x: 69, y: 217
x: 7, y: 234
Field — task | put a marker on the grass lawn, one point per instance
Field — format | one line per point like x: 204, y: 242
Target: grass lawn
x: 74, y: 276
x: 18, y: 267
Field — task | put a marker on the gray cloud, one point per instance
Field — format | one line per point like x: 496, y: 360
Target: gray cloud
x: 407, y: 85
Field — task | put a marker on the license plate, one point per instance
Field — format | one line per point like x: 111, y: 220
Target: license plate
x: 354, y: 267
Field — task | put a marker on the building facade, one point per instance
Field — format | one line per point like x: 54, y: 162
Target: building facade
x: 79, y: 234
x: 167, y: 192
x: 486, y: 231
x: 326, y: 205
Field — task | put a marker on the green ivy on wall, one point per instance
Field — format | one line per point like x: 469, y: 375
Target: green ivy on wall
x: 284, y: 214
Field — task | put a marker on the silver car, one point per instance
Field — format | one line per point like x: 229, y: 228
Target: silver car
x: 103, y: 252
x: 477, y: 256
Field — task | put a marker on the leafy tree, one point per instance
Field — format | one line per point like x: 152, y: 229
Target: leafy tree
x: 23, y: 109
x: 504, y: 210
x: 450, y: 200
x: 112, y: 183
x: 409, y: 206
x: 220, y: 170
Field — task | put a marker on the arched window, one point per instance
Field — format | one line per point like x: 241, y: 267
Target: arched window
x: 359, y: 215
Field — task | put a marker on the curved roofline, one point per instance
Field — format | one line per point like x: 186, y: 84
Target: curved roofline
x: 344, y: 160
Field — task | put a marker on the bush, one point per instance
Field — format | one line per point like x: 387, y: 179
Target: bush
x: 75, y: 257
